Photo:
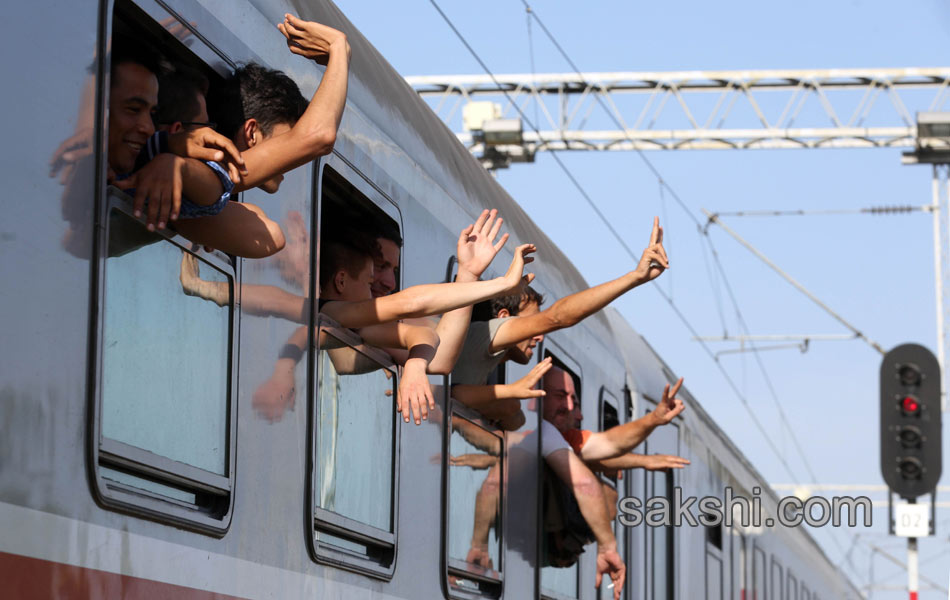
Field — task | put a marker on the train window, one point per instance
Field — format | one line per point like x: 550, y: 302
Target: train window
x: 354, y: 476
x: 164, y: 418
x: 792, y: 592
x: 777, y: 592
x: 475, y: 476
x: 609, y: 416
x: 758, y: 574
x: 661, y: 550
x: 560, y: 577
x: 806, y: 595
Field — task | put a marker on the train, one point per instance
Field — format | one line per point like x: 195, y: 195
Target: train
x: 147, y: 448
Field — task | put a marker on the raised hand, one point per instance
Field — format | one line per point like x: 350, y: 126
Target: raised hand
x: 476, y: 245
x: 205, y: 143
x: 514, y: 277
x: 525, y: 387
x: 669, y: 405
x: 311, y: 40
x: 653, y: 261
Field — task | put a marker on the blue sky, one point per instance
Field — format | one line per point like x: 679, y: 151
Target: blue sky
x: 877, y: 271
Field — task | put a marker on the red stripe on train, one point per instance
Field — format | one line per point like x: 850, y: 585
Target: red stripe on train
x: 28, y: 578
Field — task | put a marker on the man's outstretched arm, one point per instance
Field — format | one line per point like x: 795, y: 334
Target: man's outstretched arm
x: 571, y: 310
x: 590, y: 498
x: 621, y: 439
x: 315, y: 132
x: 431, y: 298
x: 647, y: 462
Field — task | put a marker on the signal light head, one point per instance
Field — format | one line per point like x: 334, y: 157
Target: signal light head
x: 910, y: 468
x: 909, y: 374
x: 910, y: 406
x: 909, y: 437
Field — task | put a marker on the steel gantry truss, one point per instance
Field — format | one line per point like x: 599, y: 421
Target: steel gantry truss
x: 695, y: 110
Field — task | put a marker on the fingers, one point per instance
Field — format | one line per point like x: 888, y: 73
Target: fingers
x: 498, y: 246
x: 597, y: 579
x: 496, y: 226
x: 481, y: 220
x: 466, y: 233
x: 228, y: 151
x: 176, y: 200
x: 676, y: 387
x: 654, y: 235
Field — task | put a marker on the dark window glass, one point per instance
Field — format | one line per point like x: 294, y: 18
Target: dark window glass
x: 164, y: 352
x: 164, y: 420
x: 475, y: 502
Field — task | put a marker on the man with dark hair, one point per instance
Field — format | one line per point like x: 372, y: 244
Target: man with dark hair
x: 181, y: 100
x: 268, y: 119
x: 163, y: 180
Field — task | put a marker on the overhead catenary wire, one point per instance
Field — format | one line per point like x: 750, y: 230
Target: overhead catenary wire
x: 619, y: 238
x: 623, y: 243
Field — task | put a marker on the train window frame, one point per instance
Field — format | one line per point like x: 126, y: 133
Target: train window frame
x: 379, y: 561
x: 141, y: 464
x: 488, y: 586
x: 155, y: 487
x: 563, y: 360
x: 380, y: 557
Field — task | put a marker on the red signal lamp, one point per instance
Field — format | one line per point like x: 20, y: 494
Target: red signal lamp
x: 910, y: 406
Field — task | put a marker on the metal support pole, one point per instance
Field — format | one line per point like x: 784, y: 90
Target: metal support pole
x: 938, y: 281
x: 912, y: 568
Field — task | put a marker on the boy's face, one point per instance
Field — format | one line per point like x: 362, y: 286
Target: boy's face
x: 133, y: 97
x: 359, y: 287
x: 385, y: 265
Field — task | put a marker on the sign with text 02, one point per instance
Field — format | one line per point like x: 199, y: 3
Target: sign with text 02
x: 910, y: 421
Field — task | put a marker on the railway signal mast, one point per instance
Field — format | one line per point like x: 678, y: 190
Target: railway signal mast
x: 911, y: 449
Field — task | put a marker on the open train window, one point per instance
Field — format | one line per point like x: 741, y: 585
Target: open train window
x: 475, y: 503
x: 164, y: 417
x: 608, y: 417
x: 355, y: 433
x: 558, y: 582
